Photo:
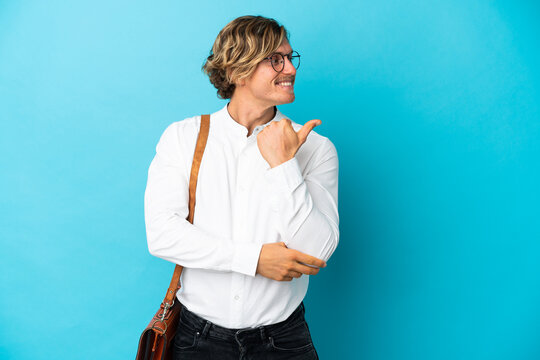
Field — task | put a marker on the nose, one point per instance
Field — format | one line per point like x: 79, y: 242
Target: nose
x: 288, y: 68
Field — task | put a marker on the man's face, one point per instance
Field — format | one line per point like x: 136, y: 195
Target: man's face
x: 268, y: 87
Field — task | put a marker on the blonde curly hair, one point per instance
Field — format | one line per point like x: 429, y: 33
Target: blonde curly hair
x: 239, y: 47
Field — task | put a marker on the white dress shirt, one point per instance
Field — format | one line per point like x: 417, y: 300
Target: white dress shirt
x: 241, y: 204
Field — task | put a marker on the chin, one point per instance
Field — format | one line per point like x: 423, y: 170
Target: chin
x: 287, y: 100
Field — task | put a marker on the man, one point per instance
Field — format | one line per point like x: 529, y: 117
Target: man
x: 266, y: 205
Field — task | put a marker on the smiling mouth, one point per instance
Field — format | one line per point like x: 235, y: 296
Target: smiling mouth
x: 288, y: 80
x: 289, y: 83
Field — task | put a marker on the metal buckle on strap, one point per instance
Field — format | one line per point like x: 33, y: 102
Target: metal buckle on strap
x: 166, y: 308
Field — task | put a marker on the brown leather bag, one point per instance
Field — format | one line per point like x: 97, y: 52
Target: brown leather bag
x: 156, y: 340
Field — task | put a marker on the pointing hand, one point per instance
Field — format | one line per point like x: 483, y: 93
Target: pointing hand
x: 278, y: 142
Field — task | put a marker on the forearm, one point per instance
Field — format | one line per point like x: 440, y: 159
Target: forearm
x: 174, y: 239
x: 307, y: 208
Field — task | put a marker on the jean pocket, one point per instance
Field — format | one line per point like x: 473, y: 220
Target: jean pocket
x: 294, y: 339
x: 185, y: 338
x: 294, y: 349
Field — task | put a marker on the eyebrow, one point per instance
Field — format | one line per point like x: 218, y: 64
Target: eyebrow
x: 289, y: 53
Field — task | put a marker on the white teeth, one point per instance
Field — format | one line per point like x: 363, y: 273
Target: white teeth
x: 285, y: 84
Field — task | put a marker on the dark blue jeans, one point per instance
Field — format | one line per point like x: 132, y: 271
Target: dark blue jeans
x: 197, y: 338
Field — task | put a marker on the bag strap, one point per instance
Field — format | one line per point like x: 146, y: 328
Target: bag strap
x: 197, y: 158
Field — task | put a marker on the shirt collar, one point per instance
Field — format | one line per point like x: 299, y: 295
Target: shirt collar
x: 224, y: 119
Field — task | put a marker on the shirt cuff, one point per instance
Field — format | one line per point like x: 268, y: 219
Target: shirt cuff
x: 286, y: 176
x: 246, y: 258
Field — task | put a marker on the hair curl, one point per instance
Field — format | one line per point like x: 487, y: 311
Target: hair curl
x: 239, y: 47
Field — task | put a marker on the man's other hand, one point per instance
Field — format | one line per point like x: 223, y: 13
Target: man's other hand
x: 277, y: 262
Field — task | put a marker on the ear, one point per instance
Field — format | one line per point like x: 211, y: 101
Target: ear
x: 239, y: 82
x: 236, y: 82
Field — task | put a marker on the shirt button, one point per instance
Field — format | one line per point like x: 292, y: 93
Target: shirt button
x: 236, y: 297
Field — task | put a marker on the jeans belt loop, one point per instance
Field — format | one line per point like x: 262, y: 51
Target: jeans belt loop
x: 206, y: 328
x: 264, y: 338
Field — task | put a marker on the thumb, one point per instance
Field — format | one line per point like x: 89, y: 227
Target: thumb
x: 306, y: 129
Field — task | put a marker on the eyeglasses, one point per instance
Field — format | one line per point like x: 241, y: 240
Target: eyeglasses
x: 278, y: 60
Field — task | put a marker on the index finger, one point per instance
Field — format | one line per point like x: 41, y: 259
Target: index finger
x: 309, y: 260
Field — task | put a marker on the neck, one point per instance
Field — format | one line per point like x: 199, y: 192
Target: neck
x: 250, y: 114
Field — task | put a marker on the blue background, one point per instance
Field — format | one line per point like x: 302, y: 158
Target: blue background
x: 434, y: 110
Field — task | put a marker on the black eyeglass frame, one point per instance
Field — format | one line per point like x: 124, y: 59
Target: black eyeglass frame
x: 293, y: 54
